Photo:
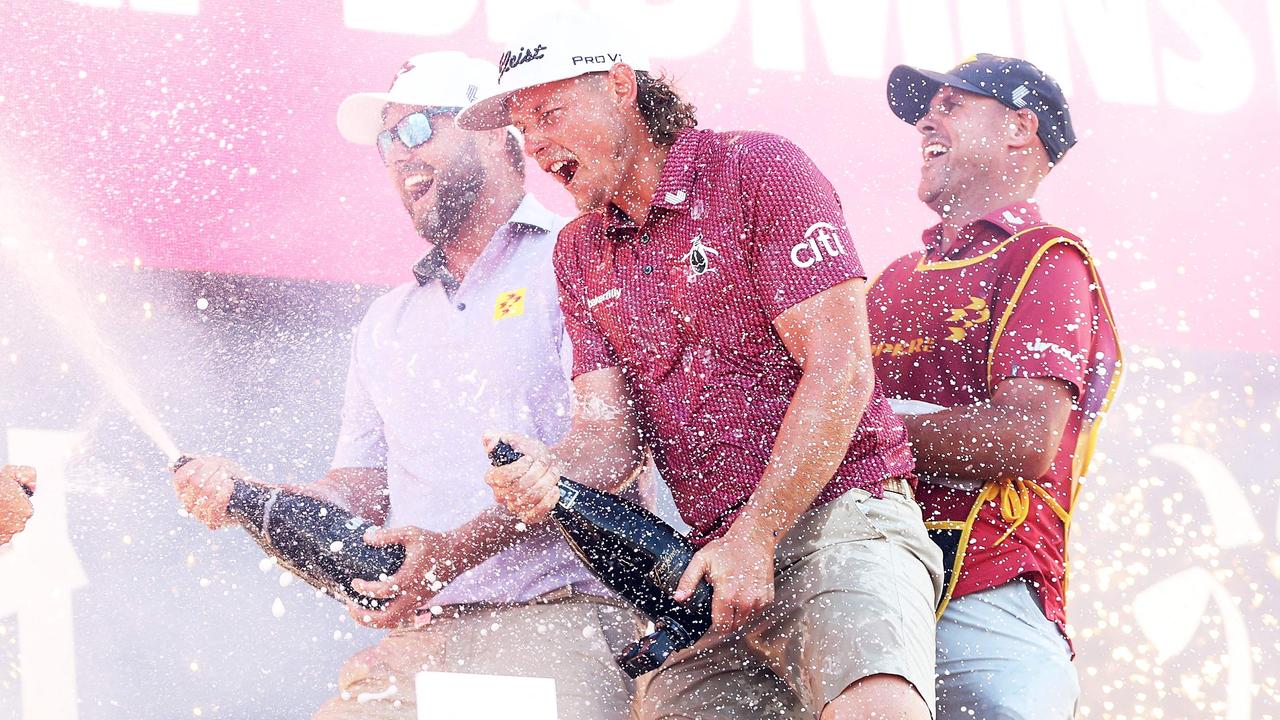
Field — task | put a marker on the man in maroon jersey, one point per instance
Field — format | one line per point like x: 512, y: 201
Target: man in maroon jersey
x: 1001, y: 324
x: 717, y: 312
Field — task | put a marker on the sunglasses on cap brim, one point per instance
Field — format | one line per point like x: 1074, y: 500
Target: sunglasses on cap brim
x: 413, y: 129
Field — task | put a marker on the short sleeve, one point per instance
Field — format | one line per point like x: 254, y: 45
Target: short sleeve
x: 361, y: 441
x: 798, y: 239
x: 588, y: 346
x: 1048, y: 332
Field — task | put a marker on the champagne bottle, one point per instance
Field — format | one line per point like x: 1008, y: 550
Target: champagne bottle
x: 315, y: 540
x: 639, y: 557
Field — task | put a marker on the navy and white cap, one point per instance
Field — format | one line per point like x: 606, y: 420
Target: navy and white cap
x: 1015, y: 83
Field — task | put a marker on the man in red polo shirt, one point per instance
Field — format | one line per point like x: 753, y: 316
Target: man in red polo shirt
x: 1002, y: 326
x: 716, y: 309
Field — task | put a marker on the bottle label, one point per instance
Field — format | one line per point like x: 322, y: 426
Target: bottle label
x: 568, y: 496
x: 669, y: 568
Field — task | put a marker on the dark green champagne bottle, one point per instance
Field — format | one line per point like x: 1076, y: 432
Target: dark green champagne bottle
x: 315, y: 540
x: 639, y: 557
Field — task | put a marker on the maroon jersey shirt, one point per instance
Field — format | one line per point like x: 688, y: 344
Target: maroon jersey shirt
x: 742, y: 227
x: 1018, y: 298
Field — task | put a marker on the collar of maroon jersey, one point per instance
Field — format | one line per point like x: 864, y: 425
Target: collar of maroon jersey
x: 997, y: 224
x: 675, y: 185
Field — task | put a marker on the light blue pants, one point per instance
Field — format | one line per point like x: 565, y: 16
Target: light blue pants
x: 999, y: 658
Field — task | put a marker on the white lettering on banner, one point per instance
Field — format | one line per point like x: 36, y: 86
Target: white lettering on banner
x: 927, y: 44
x: 168, y: 7
x: 37, y: 576
x: 673, y: 29
x: 853, y: 36
x: 1116, y: 46
x: 1044, y: 29
x: 985, y: 26
x: 676, y: 28
x: 777, y: 34
x: 824, y: 233
x: 1219, y: 75
x: 408, y: 16
x: 505, y: 19
x: 1111, y: 40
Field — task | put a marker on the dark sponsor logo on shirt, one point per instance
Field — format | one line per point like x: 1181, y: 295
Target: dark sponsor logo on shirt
x: 510, y: 60
x: 606, y: 59
x: 821, y: 241
x: 699, y: 257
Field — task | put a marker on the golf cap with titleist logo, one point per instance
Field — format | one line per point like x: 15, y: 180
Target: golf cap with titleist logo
x: 435, y: 79
x: 1015, y: 83
x: 552, y: 48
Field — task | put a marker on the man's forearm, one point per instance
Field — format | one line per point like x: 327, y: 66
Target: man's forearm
x: 480, y: 538
x: 601, y: 457
x: 361, y: 491
x: 812, y: 442
x: 980, y: 442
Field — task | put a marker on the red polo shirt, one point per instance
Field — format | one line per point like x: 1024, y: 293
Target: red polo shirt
x: 742, y: 227
x: 1016, y: 297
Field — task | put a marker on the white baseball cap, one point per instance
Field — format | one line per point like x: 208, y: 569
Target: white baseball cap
x: 435, y: 79
x: 554, y: 47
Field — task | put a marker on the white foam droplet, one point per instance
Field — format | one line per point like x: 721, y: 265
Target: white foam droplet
x: 277, y: 608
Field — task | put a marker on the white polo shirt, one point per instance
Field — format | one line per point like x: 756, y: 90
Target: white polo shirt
x: 430, y: 373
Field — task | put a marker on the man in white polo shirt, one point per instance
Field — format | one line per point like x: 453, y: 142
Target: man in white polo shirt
x: 475, y: 342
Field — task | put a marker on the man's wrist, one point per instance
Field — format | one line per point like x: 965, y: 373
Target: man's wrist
x: 756, y: 530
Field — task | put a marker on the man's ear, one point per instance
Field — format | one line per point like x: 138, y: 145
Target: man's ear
x: 1021, y: 129
x: 622, y: 84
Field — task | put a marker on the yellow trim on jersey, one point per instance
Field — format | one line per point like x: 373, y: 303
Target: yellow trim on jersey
x: 966, y: 528
x: 921, y: 265
x: 1081, y: 456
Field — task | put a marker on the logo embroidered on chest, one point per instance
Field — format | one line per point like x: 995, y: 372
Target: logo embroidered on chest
x: 699, y: 258
x: 975, y: 313
x: 509, y: 304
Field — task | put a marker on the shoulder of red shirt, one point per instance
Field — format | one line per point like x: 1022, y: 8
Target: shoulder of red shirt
x: 757, y: 150
x: 1007, y: 220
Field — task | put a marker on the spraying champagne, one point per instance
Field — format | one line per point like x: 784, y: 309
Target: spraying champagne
x: 639, y: 557
x: 315, y: 540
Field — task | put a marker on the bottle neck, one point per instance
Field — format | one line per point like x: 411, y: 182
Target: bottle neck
x: 250, y: 505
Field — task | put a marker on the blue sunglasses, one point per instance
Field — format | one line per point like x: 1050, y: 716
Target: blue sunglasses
x: 412, y: 130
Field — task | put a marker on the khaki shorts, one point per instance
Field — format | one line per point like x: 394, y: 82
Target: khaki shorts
x: 571, y: 640
x: 857, y: 583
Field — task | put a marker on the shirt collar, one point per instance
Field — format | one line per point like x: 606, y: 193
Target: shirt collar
x: 1001, y: 222
x: 675, y: 184
x: 529, y: 215
x: 679, y: 170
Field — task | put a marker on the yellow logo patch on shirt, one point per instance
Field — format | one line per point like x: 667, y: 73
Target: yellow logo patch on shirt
x: 510, y: 304
x: 981, y: 313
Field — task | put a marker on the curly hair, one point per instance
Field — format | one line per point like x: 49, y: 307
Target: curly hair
x: 665, y: 113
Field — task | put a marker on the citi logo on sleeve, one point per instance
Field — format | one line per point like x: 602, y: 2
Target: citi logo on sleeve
x: 821, y: 241
x: 511, y: 60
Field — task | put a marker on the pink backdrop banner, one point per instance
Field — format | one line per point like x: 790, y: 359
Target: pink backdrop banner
x: 199, y: 134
